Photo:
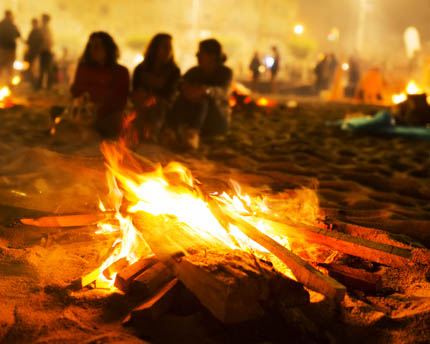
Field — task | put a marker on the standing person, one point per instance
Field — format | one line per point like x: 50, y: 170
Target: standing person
x: 8, y: 36
x: 353, y: 76
x: 275, y: 68
x: 332, y: 65
x: 202, y: 108
x: 155, y: 82
x: 46, y: 56
x: 321, y: 75
x: 104, y: 81
x: 254, y: 67
x: 34, y: 44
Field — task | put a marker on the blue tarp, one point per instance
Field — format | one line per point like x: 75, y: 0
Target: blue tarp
x: 383, y: 123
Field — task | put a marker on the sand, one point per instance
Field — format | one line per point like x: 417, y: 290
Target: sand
x: 372, y: 181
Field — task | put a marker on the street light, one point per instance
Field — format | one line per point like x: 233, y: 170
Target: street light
x: 299, y: 29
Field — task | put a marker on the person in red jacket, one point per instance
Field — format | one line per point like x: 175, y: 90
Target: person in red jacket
x: 104, y: 81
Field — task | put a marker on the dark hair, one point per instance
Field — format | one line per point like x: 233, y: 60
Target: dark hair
x: 151, y: 53
x: 212, y: 46
x: 112, y: 51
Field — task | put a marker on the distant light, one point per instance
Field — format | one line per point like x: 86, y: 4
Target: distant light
x: 345, y: 66
x: 262, y: 101
x: 138, y: 58
x: 269, y: 61
x: 412, y: 88
x: 398, y: 98
x: 19, y: 65
x: 203, y: 34
x: 16, y: 80
x: 291, y: 104
x: 261, y: 68
x: 428, y: 100
x: 333, y: 35
x: 299, y: 29
x: 4, y: 92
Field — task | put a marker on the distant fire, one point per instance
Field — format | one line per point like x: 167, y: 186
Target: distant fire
x: 411, y: 89
x: 21, y: 65
x: 5, y: 94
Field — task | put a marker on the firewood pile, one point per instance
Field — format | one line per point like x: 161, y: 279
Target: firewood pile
x: 233, y: 288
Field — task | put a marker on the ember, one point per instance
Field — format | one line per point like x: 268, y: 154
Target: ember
x: 5, y: 94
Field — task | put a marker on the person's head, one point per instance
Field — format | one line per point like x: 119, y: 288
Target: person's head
x: 8, y: 15
x: 274, y: 49
x: 100, y: 50
x: 34, y: 23
x: 210, y: 55
x: 159, y: 50
x: 45, y: 18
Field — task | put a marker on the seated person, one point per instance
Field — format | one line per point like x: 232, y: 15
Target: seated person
x: 104, y: 81
x: 202, y: 108
x: 154, y: 86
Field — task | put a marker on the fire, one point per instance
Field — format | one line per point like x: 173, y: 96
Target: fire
x: 398, y: 98
x: 262, y: 101
x: 171, y: 192
x: 411, y: 89
x: 232, y: 101
x: 5, y: 94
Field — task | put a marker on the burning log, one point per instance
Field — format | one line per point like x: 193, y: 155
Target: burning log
x: 304, y: 272
x: 77, y: 220
x: 354, y: 246
x: 235, y: 287
x: 355, y: 278
x: 126, y: 276
x: 152, y: 279
x: 152, y: 308
x: 89, y: 278
x: 119, y: 265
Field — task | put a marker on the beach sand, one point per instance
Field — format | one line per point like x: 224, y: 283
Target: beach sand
x: 377, y: 182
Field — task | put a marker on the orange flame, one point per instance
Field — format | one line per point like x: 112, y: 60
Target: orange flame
x: 129, y: 136
x: 5, y: 94
x: 171, y: 192
x: 411, y: 89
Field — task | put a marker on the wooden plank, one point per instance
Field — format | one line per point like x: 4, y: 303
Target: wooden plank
x: 89, y: 278
x: 126, y: 276
x: 115, y: 267
x: 76, y: 220
x: 304, y: 272
x: 235, y: 286
x: 355, y: 278
x: 149, y: 281
x: 154, y: 307
x: 355, y: 246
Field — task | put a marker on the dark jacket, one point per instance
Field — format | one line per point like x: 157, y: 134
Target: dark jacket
x: 219, y: 83
x: 170, y: 74
x: 34, y: 43
x: 8, y: 35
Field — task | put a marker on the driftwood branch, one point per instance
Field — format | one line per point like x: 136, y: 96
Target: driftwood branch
x: 76, y: 220
x: 304, y: 272
x: 352, y: 245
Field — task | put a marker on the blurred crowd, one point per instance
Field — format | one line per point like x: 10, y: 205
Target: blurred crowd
x: 165, y: 106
